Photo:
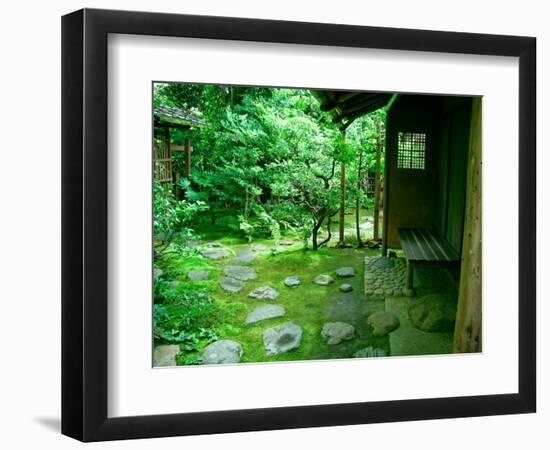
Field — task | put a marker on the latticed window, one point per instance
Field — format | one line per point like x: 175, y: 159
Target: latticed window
x: 411, y: 151
x: 162, y: 161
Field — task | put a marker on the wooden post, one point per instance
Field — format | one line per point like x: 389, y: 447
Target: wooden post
x: 377, y: 181
x: 467, y: 337
x: 342, y: 197
x: 187, y: 152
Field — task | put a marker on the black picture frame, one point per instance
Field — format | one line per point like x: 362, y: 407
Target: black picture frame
x: 84, y: 224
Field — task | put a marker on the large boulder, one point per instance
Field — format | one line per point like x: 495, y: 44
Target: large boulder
x: 240, y: 272
x: 434, y: 313
x: 323, y: 280
x: 231, y: 285
x: 345, y: 272
x: 370, y: 352
x: 336, y: 332
x: 265, y: 312
x: 382, y: 323
x: 222, y: 352
x: 165, y: 355
x: 282, y: 339
x: 197, y: 275
x: 264, y: 293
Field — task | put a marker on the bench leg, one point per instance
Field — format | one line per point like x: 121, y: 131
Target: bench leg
x: 410, y: 276
x: 409, y: 291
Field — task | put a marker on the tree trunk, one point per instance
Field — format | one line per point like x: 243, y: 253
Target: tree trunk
x: 467, y: 337
x: 329, y: 237
x: 358, y: 201
x: 377, y: 180
x: 314, y: 232
x: 342, y: 197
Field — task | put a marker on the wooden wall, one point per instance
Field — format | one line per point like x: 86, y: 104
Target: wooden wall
x: 410, y: 194
x: 435, y: 197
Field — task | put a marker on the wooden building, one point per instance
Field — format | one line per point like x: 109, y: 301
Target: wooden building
x: 168, y: 118
x: 432, y: 187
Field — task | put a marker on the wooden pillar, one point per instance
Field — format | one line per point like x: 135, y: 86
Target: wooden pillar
x: 377, y: 180
x: 387, y: 169
x: 467, y: 337
x: 342, y: 197
x: 166, y: 168
x: 187, y: 152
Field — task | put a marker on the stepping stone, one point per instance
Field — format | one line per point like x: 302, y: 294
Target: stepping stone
x: 384, y: 263
x: 336, y: 332
x: 265, y: 312
x: 323, y: 280
x: 259, y: 248
x: 370, y: 352
x: 157, y: 273
x: 222, y: 352
x: 240, y: 272
x: 198, y: 275
x: 292, y: 281
x: 434, y: 313
x: 264, y: 293
x: 231, y: 285
x: 286, y: 242
x: 282, y: 339
x: 215, y: 253
x: 382, y: 322
x: 346, y: 287
x: 244, y: 257
x: 345, y: 272
x: 213, y: 245
x: 174, y: 284
x: 165, y: 355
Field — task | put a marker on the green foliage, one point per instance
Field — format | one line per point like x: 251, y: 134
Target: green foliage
x: 186, y: 321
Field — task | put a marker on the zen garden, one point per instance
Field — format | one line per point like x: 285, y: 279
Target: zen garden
x: 300, y: 224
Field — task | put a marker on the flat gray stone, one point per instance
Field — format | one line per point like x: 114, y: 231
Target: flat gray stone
x: 384, y: 263
x: 165, y: 355
x: 382, y: 323
x: 244, y: 257
x: 240, y: 272
x: 336, y: 332
x: 323, y: 280
x: 292, y: 281
x: 222, y: 352
x: 345, y: 272
x: 215, y: 253
x: 231, y: 285
x: 282, y: 339
x: 213, y: 245
x: 434, y: 313
x: 259, y: 248
x: 286, y: 242
x: 265, y: 312
x: 346, y: 287
x: 174, y: 284
x: 198, y: 275
x: 264, y: 293
x: 157, y: 273
x: 370, y: 352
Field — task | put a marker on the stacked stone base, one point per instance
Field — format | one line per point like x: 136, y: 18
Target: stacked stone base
x: 385, y: 277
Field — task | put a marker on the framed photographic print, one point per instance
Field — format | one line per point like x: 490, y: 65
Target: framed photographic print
x: 274, y: 224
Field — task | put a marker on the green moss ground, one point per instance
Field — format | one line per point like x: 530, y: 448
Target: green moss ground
x: 307, y: 305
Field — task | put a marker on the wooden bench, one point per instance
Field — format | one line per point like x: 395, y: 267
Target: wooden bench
x: 425, y: 247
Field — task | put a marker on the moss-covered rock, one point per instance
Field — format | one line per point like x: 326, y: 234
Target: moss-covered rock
x: 434, y: 313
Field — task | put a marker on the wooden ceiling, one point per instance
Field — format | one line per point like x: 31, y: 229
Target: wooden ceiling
x: 346, y: 106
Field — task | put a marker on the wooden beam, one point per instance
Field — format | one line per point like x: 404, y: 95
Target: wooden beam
x: 377, y: 180
x: 467, y: 337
